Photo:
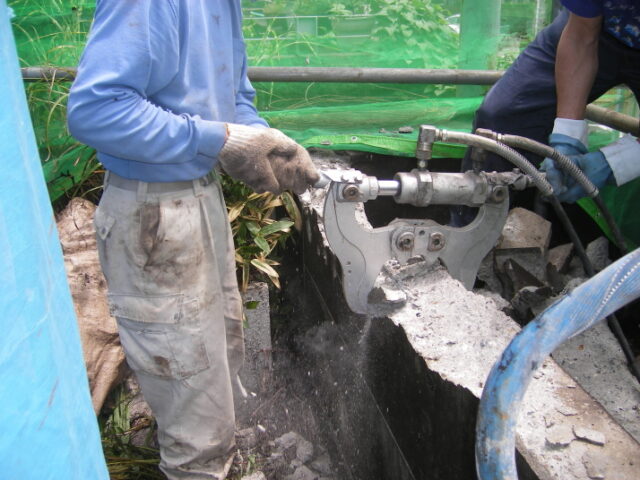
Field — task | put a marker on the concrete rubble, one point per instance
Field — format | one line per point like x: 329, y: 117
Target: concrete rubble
x: 288, y: 457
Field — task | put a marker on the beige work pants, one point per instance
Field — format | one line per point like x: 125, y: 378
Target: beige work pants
x: 167, y: 253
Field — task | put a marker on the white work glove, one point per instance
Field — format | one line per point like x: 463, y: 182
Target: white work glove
x: 266, y: 160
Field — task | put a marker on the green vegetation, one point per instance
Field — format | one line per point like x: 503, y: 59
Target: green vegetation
x: 125, y: 460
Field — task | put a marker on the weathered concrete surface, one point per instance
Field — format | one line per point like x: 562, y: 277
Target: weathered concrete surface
x: 405, y: 384
x: 460, y: 336
x: 257, y: 369
x: 595, y: 360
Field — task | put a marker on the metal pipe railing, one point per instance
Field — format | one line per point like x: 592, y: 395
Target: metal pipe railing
x: 609, y: 118
x: 323, y: 74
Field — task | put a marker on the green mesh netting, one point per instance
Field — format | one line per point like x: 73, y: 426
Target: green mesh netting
x: 478, y: 34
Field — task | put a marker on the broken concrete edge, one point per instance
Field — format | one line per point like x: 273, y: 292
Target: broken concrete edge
x: 464, y: 355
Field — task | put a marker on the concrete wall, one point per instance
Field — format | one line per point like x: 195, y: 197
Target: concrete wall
x: 398, y: 391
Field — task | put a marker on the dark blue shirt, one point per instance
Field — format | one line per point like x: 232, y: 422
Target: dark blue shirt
x: 621, y: 18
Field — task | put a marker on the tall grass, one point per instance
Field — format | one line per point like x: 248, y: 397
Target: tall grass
x: 52, y: 33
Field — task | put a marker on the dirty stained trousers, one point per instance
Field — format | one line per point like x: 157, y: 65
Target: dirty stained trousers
x: 167, y: 253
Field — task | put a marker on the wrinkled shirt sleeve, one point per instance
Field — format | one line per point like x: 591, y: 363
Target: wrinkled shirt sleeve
x: 132, y: 53
x: 246, y: 112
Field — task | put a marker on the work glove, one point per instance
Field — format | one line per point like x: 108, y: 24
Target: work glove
x: 615, y: 164
x: 266, y: 160
x: 569, y: 137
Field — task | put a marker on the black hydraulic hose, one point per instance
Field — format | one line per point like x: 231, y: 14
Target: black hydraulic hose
x: 547, y: 191
x: 501, y: 149
x: 569, y: 167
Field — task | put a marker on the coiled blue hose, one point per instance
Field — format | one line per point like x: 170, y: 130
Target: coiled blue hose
x: 507, y: 383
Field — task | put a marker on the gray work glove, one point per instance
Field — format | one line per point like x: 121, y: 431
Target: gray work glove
x: 266, y: 160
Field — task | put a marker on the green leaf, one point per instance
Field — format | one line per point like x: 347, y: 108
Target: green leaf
x: 253, y: 227
x: 292, y: 209
x: 262, y: 243
x: 251, y: 304
x: 279, y: 226
x: 264, y: 267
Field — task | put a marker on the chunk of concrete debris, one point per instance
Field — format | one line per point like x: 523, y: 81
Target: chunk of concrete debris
x: 525, y: 229
x: 559, y: 436
x: 527, y: 300
x: 287, y: 440
x: 595, y: 466
x: 522, y: 267
x: 304, y: 450
x: 322, y: 464
x: 302, y: 473
x: 560, y: 257
x: 246, y: 439
x: 255, y: 476
x: 276, y: 462
x: 598, y: 253
x: 590, y: 436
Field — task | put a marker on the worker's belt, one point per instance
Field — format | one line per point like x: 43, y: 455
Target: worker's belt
x: 158, y: 187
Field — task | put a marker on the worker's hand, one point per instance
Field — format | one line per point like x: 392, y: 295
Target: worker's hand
x: 568, y: 146
x: 595, y: 167
x: 569, y: 137
x: 267, y: 160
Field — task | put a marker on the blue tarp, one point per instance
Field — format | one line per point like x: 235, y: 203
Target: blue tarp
x: 48, y: 427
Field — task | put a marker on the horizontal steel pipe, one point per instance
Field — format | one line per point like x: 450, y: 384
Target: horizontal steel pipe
x: 325, y: 74
x: 374, y: 75
x: 610, y: 118
x: 36, y: 74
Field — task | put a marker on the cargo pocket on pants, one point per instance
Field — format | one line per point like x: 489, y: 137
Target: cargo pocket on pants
x: 161, y: 335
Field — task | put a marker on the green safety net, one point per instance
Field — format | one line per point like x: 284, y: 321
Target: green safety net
x: 378, y: 118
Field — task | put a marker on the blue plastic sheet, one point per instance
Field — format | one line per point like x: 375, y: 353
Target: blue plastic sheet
x: 48, y: 427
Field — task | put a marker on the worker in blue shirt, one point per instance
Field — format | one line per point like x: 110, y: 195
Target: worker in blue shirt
x: 162, y: 94
x: 591, y: 47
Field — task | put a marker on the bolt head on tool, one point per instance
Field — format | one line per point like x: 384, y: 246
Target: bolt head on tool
x: 405, y: 241
x: 436, y: 242
x: 499, y: 194
x: 351, y: 192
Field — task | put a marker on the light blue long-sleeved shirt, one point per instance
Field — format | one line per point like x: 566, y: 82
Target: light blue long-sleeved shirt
x: 157, y: 81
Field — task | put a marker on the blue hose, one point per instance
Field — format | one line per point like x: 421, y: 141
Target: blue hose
x: 507, y: 383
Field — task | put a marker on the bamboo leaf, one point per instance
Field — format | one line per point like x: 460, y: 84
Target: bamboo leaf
x: 262, y: 243
x: 292, y: 209
x: 279, y: 226
x: 264, y: 267
x: 254, y: 228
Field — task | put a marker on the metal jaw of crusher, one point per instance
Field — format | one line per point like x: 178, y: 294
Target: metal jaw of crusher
x: 363, y: 250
